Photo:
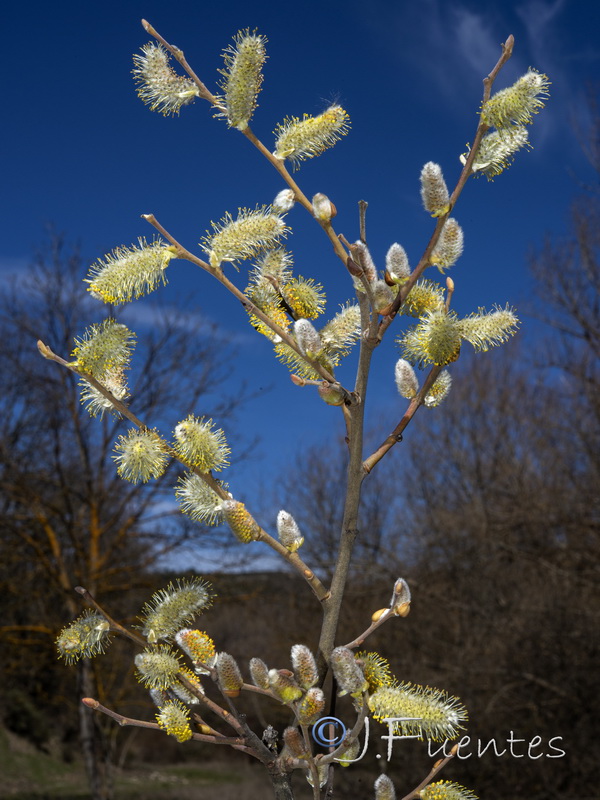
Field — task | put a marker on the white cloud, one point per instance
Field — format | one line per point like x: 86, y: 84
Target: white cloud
x: 474, y: 39
x: 150, y: 315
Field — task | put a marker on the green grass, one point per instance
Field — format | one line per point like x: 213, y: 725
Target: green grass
x: 28, y: 774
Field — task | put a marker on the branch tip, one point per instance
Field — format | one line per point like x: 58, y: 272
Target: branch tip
x: 44, y: 350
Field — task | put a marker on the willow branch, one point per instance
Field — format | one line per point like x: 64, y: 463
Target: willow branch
x: 387, y: 614
x: 94, y: 705
x: 178, y: 55
x: 249, y: 306
x: 465, y: 174
x: 396, y: 435
x: 114, y: 625
x: 277, y: 163
x: 437, y: 767
x: 261, y: 535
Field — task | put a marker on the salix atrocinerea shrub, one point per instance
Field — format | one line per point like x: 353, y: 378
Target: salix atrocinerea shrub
x: 193, y: 683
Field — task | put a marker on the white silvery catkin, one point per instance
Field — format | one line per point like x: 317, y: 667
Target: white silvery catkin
x: 288, y: 531
x: 406, y: 379
x: 307, y: 337
x: 396, y: 264
x: 434, y: 192
x: 284, y: 201
x: 323, y: 208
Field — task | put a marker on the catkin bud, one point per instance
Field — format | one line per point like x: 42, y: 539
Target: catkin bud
x: 284, y: 686
x: 400, y: 601
x: 446, y: 790
x: 382, y: 295
x: 406, y: 379
x: 95, y: 402
x: 307, y: 337
x: 497, y: 150
x: 183, y: 693
x: 311, y: 707
x: 199, y: 647
x: 485, y: 330
x: 242, y: 77
x: 141, y: 455
x: 301, y: 139
x: 159, y: 697
x: 294, y: 742
x: 173, y: 718
x: 200, y: 445
x: 342, y: 331
x: 435, y: 340
x: 376, y: 669
x: 347, y: 756
x: 331, y: 395
x: 259, y: 673
x: 86, y: 636
x: 424, y: 296
x: 244, y: 237
x: 433, y: 713
x: 305, y: 297
x: 384, y: 788
x: 171, y: 608
x: 158, y: 85
x: 129, y: 272
x: 439, y: 391
x: 434, y: 192
x: 241, y: 522
x: 362, y: 256
x: 517, y: 104
x: 229, y: 675
x: 323, y: 208
x: 198, y: 500
x: 323, y: 774
x: 103, y: 347
x: 284, y: 201
x: 304, y: 665
x: 449, y: 246
x: 396, y: 264
x: 347, y: 672
x: 289, y: 532
x: 158, y: 668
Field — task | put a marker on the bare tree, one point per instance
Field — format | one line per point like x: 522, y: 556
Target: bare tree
x: 66, y: 518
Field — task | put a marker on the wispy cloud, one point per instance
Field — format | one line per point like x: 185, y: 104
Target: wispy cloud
x: 146, y: 315
x: 473, y: 37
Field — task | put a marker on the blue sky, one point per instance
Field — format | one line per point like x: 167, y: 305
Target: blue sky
x: 81, y: 151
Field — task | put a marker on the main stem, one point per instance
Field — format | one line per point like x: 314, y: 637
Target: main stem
x: 355, y: 476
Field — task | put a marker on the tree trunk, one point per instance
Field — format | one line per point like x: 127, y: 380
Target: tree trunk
x: 97, y: 767
x: 282, y: 786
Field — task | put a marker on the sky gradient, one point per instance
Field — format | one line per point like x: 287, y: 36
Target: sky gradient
x: 83, y: 153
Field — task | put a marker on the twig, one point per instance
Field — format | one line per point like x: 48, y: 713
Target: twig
x: 277, y: 163
x: 396, y: 435
x: 217, y: 273
x: 362, y: 210
x: 439, y: 765
x: 387, y: 614
x: 94, y: 705
x: 178, y: 55
x: 114, y: 625
x: 465, y: 174
x: 261, y: 535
